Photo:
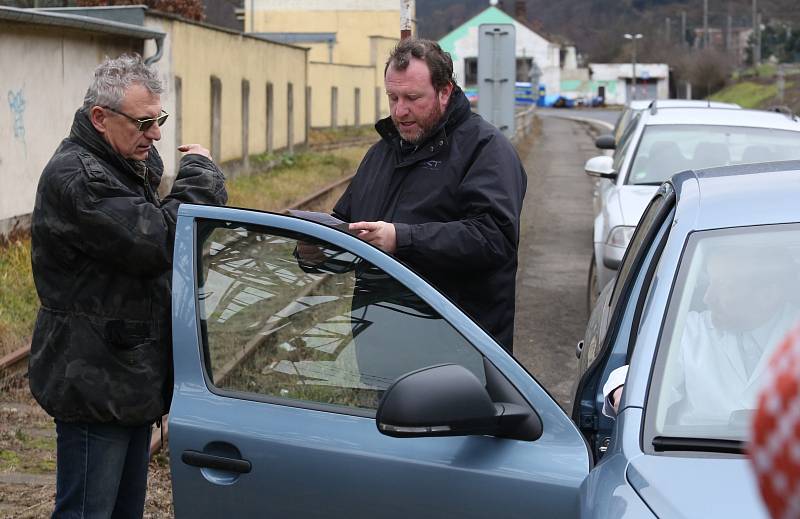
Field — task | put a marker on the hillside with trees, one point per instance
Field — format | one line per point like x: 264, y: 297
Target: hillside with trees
x: 596, y: 27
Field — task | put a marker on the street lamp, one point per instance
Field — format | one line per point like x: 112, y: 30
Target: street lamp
x: 633, y: 37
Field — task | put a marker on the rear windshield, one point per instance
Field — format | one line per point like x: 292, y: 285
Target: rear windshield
x: 669, y: 149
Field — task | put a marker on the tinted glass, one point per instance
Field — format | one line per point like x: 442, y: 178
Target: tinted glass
x: 637, y: 242
x: 290, y: 317
x: 624, y: 143
x: 735, y: 298
x: 669, y: 149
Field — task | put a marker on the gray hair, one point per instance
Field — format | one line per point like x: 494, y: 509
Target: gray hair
x: 114, y: 76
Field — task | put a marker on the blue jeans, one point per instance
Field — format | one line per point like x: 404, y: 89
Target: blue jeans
x: 101, y: 470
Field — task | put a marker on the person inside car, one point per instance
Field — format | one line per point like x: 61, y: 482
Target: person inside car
x: 746, y: 309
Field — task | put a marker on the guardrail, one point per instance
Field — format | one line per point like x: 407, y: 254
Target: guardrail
x: 523, y: 124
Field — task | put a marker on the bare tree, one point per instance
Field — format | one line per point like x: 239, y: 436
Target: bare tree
x: 191, y: 9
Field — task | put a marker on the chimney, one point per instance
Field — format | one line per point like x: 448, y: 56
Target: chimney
x: 520, y: 11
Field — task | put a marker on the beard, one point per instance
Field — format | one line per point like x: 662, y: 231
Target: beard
x: 425, y: 126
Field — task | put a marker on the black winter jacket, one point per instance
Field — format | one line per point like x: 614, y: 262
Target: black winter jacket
x: 102, y: 254
x: 455, y: 202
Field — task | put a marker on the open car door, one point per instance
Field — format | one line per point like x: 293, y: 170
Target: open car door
x: 288, y: 336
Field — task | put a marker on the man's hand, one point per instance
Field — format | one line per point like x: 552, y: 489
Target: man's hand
x: 310, y: 254
x: 616, y: 396
x: 196, y: 149
x: 380, y: 234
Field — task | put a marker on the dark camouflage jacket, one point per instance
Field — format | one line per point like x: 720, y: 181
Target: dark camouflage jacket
x: 102, y: 256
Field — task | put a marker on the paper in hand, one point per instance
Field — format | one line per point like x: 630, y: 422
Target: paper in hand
x: 323, y: 218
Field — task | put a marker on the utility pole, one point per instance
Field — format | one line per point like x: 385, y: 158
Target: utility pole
x: 756, y: 35
x: 683, y: 28
x: 633, y: 38
x: 729, y: 35
x: 405, y: 19
x: 252, y: 15
x: 758, y: 40
x: 706, y: 39
x: 668, y: 30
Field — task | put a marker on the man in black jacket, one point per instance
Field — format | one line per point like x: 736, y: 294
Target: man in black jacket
x: 102, y: 254
x: 442, y: 189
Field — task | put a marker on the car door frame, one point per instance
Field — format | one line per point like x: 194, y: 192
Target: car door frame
x: 596, y: 427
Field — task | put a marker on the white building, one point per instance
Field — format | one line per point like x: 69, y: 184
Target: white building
x: 531, y: 49
x: 614, y: 81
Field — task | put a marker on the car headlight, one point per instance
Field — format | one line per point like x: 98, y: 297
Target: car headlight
x: 620, y: 236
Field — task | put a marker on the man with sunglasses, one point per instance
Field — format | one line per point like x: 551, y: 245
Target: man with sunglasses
x: 102, y: 242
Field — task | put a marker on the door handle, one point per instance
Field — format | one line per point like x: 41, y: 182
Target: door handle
x: 579, y: 349
x: 201, y: 459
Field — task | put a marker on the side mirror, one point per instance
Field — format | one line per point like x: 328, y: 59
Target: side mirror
x: 606, y: 142
x: 449, y: 400
x: 600, y: 166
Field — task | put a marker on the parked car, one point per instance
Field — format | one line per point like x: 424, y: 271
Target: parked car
x: 713, y: 261
x: 660, y: 142
x: 634, y: 107
x: 316, y: 376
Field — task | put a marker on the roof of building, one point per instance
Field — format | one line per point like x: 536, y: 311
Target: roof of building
x: 489, y: 15
x: 79, y: 21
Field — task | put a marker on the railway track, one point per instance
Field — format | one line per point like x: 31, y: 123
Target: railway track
x: 14, y: 364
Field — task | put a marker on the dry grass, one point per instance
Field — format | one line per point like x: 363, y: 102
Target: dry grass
x: 18, y: 300
x: 327, y: 136
x: 296, y: 177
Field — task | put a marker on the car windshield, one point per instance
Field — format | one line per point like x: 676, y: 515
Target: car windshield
x: 735, y: 299
x: 668, y: 149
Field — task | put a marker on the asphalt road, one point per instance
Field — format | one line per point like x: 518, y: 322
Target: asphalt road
x: 554, y: 255
x: 608, y: 115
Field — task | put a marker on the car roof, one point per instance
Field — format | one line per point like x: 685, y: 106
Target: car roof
x: 693, y: 103
x: 722, y: 117
x: 739, y: 195
x: 642, y: 104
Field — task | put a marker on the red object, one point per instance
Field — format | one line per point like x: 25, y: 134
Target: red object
x: 775, y: 441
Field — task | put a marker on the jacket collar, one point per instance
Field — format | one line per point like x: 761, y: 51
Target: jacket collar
x: 457, y: 111
x: 84, y: 133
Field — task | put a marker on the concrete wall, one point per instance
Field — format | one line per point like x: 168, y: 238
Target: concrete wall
x: 45, y: 74
x: 197, y: 53
x: 346, y: 78
x: 353, y: 21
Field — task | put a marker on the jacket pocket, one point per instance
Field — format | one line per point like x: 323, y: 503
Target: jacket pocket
x: 115, y: 370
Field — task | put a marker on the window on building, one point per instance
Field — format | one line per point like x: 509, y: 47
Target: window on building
x: 524, y: 66
x: 470, y: 71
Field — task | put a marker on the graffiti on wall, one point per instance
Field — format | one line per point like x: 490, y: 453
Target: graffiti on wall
x: 16, y: 101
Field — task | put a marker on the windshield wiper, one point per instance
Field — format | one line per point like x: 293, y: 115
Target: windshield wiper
x: 649, y: 183
x: 672, y: 443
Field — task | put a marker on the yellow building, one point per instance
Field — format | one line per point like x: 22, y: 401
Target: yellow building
x: 236, y: 94
x: 335, y: 31
x: 342, y: 33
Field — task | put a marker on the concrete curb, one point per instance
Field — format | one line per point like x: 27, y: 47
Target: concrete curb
x: 588, y: 120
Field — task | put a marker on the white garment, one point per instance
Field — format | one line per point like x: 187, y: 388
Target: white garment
x: 615, y: 379
x: 711, y: 375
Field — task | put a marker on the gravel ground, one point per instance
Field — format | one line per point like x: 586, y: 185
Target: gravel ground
x: 27, y: 461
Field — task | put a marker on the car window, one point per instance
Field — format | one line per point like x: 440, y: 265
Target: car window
x: 624, y: 143
x: 734, y: 299
x: 668, y: 149
x: 289, y: 317
x: 625, y: 122
x: 632, y: 253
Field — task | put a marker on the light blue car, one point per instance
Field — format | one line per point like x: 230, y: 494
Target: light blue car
x: 316, y: 376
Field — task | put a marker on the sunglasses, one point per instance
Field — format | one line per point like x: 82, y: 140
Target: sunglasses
x: 142, y: 124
